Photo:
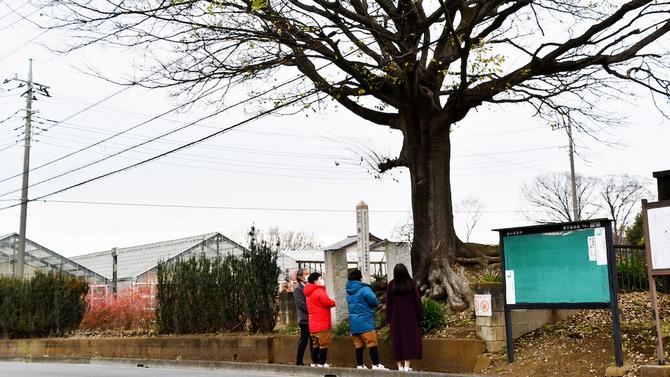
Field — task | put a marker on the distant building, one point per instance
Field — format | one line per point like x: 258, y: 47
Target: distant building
x: 40, y: 258
x: 290, y: 260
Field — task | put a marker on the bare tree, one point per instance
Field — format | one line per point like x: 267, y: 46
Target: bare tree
x: 289, y: 239
x: 414, y: 66
x: 620, y: 196
x: 550, y: 196
x: 471, y: 208
x: 404, y: 231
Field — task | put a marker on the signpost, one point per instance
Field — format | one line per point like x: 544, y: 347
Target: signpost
x: 560, y: 266
x: 363, y: 240
x: 656, y: 220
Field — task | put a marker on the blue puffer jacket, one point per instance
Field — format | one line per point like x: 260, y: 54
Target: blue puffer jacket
x: 362, y: 303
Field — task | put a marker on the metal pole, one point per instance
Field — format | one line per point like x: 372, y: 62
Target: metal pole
x: 114, y: 277
x: 614, y: 291
x: 571, y: 149
x: 26, y: 168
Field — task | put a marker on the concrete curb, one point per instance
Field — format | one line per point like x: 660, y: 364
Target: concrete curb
x: 270, y: 369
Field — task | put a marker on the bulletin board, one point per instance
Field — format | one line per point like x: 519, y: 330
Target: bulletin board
x: 560, y: 266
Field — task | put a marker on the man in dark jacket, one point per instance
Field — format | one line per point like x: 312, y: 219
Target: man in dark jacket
x: 303, y: 319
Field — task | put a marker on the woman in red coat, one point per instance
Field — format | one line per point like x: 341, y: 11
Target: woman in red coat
x: 404, y: 312
x: 318, y: 309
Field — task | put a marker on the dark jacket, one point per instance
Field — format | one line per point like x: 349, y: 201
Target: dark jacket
x: 404, y: 312
x: 362, y: 303
x: 300, y: 303
x: 318, y: 306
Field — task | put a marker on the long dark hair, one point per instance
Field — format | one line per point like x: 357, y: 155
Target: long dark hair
x: 402, y: 282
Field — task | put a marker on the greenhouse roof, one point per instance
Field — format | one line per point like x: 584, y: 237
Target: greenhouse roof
x: 136, y: 260
x: 44, y: 259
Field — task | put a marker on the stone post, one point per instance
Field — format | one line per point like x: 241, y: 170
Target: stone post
x: 492, y: 329
x: 336, y: 275
x: 397, y: 252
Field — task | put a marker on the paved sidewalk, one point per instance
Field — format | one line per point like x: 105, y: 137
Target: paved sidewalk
x: 221, y: 367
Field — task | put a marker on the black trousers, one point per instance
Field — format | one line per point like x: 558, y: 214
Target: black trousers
x: 305, y: 339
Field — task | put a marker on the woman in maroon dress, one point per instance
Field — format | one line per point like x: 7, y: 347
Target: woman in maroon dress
x: 404, y: 312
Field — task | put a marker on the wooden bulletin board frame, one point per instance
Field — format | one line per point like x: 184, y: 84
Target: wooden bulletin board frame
x: 652, y: 272
x: 611, y: 304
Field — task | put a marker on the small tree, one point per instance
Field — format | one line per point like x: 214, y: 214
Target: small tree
x: 471, y: 208
x: 261, y: 284
x: 635, y: 232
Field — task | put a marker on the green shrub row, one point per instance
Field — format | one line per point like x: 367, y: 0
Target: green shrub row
x: 233, y: 293
x: 48, y: 304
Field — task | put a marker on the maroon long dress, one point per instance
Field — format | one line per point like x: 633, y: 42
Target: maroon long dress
x: 404, y: 312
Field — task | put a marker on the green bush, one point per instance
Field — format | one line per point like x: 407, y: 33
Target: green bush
x: 342, y: 329
x: 433, y: 316
x: 199, y: 295
x: 632, y: 275
x: 47, y: 304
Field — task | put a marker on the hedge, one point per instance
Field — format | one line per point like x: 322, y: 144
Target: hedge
x: 48, y: 304
x: 234, y: 293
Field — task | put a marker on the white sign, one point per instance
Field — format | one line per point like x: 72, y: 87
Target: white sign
x: 510, y: 289
x: 483, y: 306
x: 659, y: 237
x: 601, y: 246
x: 592, y: 248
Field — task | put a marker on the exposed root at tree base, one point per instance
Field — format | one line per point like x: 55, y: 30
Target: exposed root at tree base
x: 444, y: 282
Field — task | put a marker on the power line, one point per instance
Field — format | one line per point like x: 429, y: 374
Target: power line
x: 283, y: 209
x: 261, y: 173
x: 185, y: 146
x: 22, y: 17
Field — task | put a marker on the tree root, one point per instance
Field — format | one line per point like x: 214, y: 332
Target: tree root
x: 444, y: 282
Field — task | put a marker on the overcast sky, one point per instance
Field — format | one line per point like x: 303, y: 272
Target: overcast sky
x: 297, y: 172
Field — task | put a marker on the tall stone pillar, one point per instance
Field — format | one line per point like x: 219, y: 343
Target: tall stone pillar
x: 336, y: 275
x: 363, y: 238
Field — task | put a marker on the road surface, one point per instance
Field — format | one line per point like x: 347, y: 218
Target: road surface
x: 20, y: 369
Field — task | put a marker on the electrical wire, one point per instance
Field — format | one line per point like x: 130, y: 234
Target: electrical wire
x: 185, y: 146
x: 283, y: 209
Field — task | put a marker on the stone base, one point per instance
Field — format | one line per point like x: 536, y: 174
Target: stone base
x: 655, y: 370
x: 615, y: 371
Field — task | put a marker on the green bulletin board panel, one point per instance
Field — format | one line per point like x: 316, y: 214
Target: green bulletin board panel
x: 557, y: 267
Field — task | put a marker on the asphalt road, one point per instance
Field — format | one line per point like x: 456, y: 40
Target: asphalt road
x: 20, y: 369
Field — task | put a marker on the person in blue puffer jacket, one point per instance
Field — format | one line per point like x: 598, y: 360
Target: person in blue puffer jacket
x: 362, y: 303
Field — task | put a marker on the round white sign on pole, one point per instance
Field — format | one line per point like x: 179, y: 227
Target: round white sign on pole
x: 483, y: 306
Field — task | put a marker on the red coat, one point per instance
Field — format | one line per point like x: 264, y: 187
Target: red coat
x: 318, y: 307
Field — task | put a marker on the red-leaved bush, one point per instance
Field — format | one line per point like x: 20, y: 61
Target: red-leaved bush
x: 129, y: 311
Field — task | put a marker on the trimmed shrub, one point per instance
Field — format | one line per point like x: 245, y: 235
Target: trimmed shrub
x: 433, y: 316
x: 127, y: 312
x: 48, y: 304
x: 199, y: 295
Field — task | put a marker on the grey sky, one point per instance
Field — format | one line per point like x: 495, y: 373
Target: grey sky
x: 287, y: 164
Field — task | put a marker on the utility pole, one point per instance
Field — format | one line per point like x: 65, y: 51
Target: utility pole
x: 571, y: 149
x: 573, y: 179
x: 21, y: 254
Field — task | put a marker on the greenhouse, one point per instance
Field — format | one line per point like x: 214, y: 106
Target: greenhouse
x: 40, y: 258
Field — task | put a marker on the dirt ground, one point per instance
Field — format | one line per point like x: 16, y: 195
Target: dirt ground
x: 582, y: 345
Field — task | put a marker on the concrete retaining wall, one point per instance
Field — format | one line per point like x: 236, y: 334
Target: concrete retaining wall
x: 440, y: 355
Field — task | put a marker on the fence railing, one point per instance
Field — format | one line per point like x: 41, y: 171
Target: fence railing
x: 631, y: 268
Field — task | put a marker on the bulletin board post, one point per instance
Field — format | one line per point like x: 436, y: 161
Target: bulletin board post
x: 656, y: 224
x: 560, y: 266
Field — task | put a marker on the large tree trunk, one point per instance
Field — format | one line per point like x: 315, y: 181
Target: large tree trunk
x: 436, y: 246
